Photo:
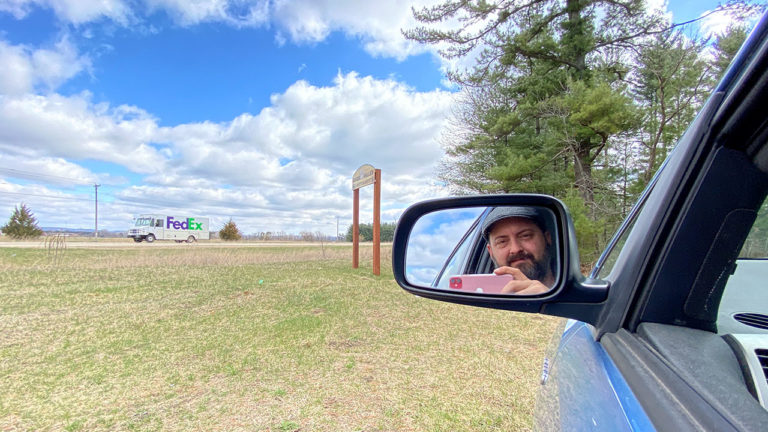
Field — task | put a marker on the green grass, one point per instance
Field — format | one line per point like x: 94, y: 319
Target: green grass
x: 272, y: 339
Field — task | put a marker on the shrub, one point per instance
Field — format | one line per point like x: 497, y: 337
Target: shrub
x: 230, y: 232
x: 22, y: 224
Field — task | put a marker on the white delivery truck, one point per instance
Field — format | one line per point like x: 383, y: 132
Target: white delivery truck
x: 151, y: 227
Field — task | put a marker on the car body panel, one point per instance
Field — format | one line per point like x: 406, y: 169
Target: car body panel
x: 585, y: 389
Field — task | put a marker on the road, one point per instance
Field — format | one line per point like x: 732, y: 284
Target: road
x: 121, y: 244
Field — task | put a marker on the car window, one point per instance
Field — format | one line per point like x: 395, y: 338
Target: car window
x: 756, y: 245
x: 610, y: 255
x: 454, y: 263
x: 744, y: 304
x: 435, y: 241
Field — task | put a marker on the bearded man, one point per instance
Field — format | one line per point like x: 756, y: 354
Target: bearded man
x: 520, y: 245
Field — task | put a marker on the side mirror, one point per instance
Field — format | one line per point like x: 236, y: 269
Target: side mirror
x: 503, y: 251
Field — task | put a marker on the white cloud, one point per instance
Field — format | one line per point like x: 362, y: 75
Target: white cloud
x: 74, y: 128
x: 377, y: 24
x: 53, y: 171
x: 16, y: 76
x: 657, y: 5
x: 73, y: 11
x: 354, y: 120
x: 239, y: 13
x: 313, y: 138
x: 291, y: 164
x: 718, y: 23
x: 26, y: 69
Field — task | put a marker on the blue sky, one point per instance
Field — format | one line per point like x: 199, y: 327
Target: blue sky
x: 255, y: 110
x: 433, y: 239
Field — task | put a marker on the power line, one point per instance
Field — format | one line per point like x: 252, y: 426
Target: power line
x: 146, y: 202
x: 45, y: 196
x: 27, y: 174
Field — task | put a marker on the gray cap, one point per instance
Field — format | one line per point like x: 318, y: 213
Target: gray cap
x: 500, y: 213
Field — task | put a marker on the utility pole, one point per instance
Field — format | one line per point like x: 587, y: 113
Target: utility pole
x: 96, y: 212
x: 337, y: 228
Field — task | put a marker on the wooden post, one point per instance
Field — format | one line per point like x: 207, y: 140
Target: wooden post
x: 377, y: 223
x: 356, y: 230
x: 364, y: 176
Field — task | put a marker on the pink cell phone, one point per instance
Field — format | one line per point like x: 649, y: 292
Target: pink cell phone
x: 480, y: 283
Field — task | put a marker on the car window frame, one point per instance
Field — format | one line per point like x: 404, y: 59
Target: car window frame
x: 469, y: 239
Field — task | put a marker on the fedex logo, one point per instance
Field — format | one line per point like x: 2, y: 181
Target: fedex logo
x: 188, y: 224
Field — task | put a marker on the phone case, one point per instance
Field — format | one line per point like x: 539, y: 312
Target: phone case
x: 480, y: 283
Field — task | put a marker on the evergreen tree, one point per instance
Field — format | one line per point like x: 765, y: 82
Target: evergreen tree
x: 230, y: 232
x: 558, y: 64
x: 580, y: 99
x: 726, y: 47
x: 549, y: 94
x: 22, y: 224
x: 673, y: 81
x: 386, y: 232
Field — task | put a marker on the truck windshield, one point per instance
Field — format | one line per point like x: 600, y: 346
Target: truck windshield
x: 143, y: 221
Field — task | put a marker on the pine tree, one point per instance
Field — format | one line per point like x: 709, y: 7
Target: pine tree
x: 673, y: 82
x: 559, y: 64
x: 549, y: 95
x: 22, y: 224
x: 726, y: 47
x: 230, y: 232
x: 580, y: 99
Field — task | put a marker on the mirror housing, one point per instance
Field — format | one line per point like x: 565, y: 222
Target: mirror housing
x: 572, y: 296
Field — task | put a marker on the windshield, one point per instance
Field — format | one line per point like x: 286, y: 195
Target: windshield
x: 145, y: 221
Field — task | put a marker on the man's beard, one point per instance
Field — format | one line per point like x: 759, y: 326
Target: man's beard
x: 532, y: 268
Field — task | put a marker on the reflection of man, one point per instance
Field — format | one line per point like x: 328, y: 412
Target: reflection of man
x: 520, y: 245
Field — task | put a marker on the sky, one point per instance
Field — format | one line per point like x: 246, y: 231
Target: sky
x: 256, y: 111
x: 433, y: 238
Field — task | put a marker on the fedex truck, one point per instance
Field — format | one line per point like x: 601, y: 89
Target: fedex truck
x: 151, y: 227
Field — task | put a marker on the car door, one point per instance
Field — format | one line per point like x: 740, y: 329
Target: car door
x: 650, y: 309
x: 159, y: 228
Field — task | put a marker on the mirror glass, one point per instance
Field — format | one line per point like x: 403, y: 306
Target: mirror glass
x: 511, y: 250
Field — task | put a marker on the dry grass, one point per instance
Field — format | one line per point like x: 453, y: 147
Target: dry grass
x: 272, y: 339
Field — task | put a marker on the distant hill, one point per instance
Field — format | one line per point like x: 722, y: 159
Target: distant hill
x: 71, y: 230
x: 82, y: 232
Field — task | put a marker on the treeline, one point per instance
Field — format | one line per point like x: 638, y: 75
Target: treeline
x: 580, y: 99
x: 304, y: 236
x: 386, y: 232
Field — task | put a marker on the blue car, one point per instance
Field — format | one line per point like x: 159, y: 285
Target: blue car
x: 669, y: 331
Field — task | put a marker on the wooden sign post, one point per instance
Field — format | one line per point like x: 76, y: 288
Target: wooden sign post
x: 364, y: 176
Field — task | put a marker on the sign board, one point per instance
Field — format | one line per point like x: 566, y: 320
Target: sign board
x: 364, y: 176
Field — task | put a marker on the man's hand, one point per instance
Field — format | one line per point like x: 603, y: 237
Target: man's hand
x: 521, y: 285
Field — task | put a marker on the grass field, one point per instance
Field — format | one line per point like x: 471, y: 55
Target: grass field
x: 265, y: 339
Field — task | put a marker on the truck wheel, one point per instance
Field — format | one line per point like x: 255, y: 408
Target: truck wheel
x: 191, y: 239
x: 150, y: 238
x: 137, y: 239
